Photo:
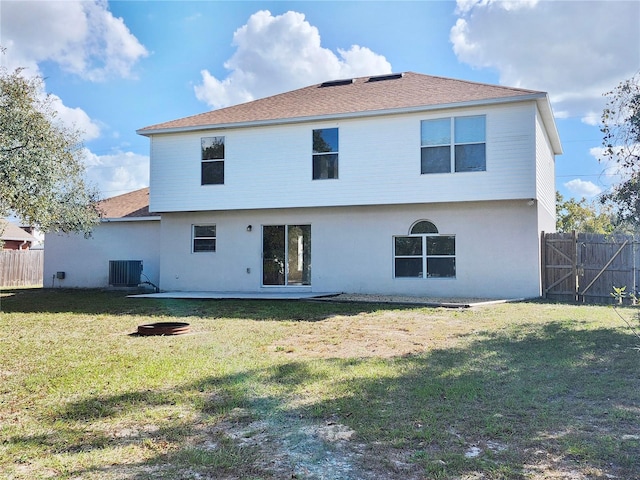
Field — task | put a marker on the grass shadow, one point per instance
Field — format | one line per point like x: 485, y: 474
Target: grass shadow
x: 543, y: 400
x: 117, y: 303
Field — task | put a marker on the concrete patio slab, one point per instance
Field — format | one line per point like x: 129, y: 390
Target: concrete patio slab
x: 333, y: 297
x: 237, y: 295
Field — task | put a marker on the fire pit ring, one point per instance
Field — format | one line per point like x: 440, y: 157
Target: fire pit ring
x: 164, y: 328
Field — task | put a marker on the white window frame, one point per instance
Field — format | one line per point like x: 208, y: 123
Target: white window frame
x: 315, y: 154
x: 453, y: 144
x: 425, y: 256
x: 194, y: 238
x: 213, y: 160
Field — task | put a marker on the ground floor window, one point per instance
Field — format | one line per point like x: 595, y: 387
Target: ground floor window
x: 203, y: 238
x: 424, y: 253
x: 286, y: 255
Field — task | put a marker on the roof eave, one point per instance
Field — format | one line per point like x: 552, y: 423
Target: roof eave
x: 130, y: 219
x: 540, y: 97
x: 546, y: 112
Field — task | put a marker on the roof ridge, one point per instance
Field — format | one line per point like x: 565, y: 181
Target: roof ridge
x: 401, y: 91
x: 472, y: 82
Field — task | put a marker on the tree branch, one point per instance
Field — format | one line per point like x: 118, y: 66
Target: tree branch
x: 6, y: 150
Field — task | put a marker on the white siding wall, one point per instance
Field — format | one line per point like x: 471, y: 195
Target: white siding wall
x: 352, y: 249
x: 379, y: 163
x: 545, y: 179
x: 85, y: 261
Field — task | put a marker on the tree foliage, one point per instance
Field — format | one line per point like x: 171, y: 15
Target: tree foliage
x: 583, y: 216
x: 621, y: 141
x: 41, y: 169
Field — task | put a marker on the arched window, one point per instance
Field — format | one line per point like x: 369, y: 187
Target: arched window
x: 422, y: 227
x: 424, y: 253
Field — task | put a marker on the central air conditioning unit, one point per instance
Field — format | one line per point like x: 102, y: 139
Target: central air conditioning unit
x: 125, y: 273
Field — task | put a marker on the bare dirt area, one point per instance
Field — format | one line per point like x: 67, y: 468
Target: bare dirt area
x: 289, y: 447
x: 387, y: 334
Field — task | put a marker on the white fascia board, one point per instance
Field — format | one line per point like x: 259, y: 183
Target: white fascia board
x: 369, y: 113
x: 131, y: 219
x: 549, y: 121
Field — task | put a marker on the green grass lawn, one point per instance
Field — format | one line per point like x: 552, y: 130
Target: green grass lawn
x: 311, y: 390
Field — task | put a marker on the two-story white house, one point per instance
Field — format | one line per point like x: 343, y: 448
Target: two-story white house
x: 396, y: 184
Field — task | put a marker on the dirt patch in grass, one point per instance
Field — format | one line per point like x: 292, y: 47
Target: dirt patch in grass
x: 291, y: 447
x: 384, y: 335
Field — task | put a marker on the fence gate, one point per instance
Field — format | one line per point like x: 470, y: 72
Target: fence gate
x: 605, y: 261
x: 585, y: 267
x: 559, y: 262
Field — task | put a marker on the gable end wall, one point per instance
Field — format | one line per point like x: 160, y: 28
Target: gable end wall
x: 545, y: 179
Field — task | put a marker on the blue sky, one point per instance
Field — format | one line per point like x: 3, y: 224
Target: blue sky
x: 114, y: 67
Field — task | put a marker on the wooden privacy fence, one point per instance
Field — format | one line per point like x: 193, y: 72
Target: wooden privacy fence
x: 584, y: 267
x: 21, y: 268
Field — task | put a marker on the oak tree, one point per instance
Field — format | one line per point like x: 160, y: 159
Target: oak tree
x: 621, y: 141
x: 41, y: 169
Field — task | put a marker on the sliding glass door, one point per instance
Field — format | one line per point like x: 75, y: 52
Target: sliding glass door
x: 286, y: 255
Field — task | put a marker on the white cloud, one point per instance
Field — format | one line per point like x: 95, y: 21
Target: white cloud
x: 597, y: 153
x: 582, y: 188
x: 116, y: 174
x: 76, y: 118
x: 611, y: 165
x: 463, y: 6
x: 279, y: 53
x: 576, y: 51
x: 83, y: 37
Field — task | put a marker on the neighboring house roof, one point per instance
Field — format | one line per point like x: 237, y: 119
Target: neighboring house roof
x: 394, y: 93
x: 12, y: 232
x: 129, y: 205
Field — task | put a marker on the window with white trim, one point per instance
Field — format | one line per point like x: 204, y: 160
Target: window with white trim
x: 424, y: 253
x: 325, y: 153
x: 212, y: 156
x: 203, y: 238
x: 454, y: 144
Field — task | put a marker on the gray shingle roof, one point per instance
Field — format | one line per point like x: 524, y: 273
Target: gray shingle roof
x: 366, y: 94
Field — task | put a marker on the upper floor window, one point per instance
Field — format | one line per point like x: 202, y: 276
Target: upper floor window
x: 212, y: 160
x: 424, y: 253
x: 454, y: 144
x: 325, y: 153
x: 203, y: 238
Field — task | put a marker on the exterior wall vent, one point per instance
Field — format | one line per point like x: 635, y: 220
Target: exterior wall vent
x: 381, y: 78
x: 336, y: 83
x: 125, y: 273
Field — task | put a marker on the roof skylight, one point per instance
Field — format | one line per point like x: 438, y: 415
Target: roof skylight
x: 381, y: 78
x: 335, y: 83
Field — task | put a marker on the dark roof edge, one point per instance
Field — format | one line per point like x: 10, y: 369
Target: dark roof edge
x: 151, y: 217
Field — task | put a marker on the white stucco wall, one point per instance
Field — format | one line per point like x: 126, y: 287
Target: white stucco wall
x: 85, y: 261
x: 497, y: 249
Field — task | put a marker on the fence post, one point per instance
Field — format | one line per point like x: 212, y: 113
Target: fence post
x: 543, y: 266
x: 634, y: 261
